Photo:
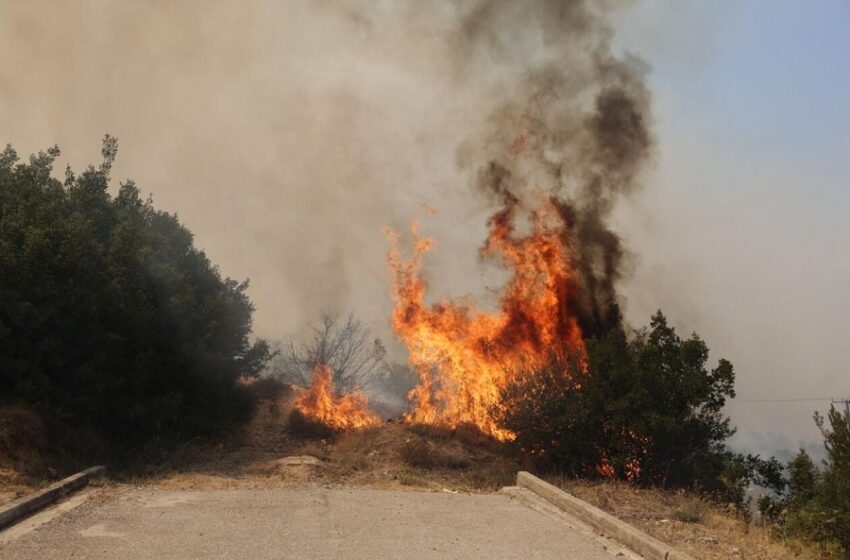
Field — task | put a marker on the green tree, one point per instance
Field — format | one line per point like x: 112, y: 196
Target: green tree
x: 817, y: 506
x: 109, y: 316
x: 803, y: 480
x: 833, y: 496
x: 647, y: 409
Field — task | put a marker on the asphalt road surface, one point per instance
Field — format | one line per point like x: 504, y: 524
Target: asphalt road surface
x: 310, y: 523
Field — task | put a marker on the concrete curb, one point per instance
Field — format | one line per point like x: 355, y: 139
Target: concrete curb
x: 17, y: 510
x: 637, y: 540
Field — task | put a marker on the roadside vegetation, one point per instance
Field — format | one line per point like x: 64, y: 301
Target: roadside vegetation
x: 816, y: 505
x: 120, y: 342
x: 692, y: 523
x: 115, y: 330
x: 647, y: 411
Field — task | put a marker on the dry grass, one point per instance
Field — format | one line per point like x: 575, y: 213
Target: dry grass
x: 399, y: 456
x: 395, y: 455
x: 391, y: 455
x: 23, y: 441
x: 689, y: 523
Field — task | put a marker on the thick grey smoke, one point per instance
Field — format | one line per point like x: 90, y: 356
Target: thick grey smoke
x: 572, y: 124
x: 286, y: 135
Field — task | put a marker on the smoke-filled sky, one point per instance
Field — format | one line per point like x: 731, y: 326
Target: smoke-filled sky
x: 287, y: 134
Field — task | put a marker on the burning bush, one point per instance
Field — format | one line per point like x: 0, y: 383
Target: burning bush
x: 463, y: 355
x: 647, y: 411
x: 559, y: 147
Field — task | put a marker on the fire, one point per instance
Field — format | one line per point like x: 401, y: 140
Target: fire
x: 464, y: 356
x: 320, y: 403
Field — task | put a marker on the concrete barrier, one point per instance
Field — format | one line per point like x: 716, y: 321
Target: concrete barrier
x: 17, y: 510
x: 649, y: 547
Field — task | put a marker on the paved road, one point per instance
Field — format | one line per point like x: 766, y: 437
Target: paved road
x: 310, y: 523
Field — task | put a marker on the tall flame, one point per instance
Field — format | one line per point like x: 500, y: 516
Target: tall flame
x: 321, y: 404
x: 464, y: 356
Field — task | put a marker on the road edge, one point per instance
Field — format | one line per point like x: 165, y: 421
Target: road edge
x: 26, y: 506
x: 650, y: 547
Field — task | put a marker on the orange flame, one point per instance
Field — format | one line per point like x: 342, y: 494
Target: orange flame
x: 632, y: 468
x: 321, y: 404
x: 465, y: 356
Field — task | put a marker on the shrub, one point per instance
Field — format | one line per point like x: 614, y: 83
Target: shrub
x: 833, y: 493
x: 644, y: 409
x: 109, y: 316
x: 268, y: 388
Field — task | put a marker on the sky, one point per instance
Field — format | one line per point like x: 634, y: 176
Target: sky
x: 274, y: 126
x: 748, y: 234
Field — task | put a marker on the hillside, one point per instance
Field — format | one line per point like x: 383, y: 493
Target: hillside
x: 266, y: 453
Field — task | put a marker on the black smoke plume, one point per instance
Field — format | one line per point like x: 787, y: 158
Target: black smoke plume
x: 575, y: 127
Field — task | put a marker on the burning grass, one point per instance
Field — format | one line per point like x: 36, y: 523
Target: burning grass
x: 320, y: 406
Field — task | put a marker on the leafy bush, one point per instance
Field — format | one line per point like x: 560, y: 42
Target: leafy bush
x: 109, y: 316
x: 646, y: 409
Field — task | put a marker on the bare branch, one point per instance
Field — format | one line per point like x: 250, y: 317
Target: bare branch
x: 342, y: 345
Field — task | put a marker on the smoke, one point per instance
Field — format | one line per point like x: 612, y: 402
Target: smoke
x: 572, y: 125
x: 287, y: 134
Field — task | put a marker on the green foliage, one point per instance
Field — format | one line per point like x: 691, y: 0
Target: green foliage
x: 552, y: 422
x: 109, y: 316
x: 834, y: 490
x: 803, y: 480
x: 647, y: 410
x: 817, y: 504
x: 739, y: 472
